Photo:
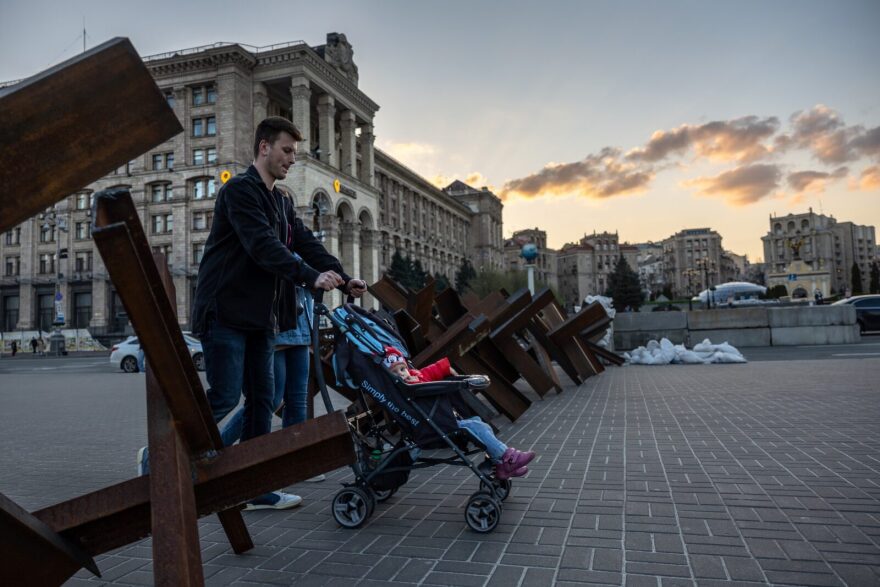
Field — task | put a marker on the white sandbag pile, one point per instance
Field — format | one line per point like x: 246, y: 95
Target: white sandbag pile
x: 607, y: 303
x: 665, y: 353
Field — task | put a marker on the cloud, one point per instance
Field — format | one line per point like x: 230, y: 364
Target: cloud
x: 822, y: 131
x: 739, y: 140
x: 740, y: 186
x: 870, y: 179
x: 597, y: 176
x: 814, y: 181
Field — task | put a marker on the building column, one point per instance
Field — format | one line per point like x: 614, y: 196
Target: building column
x: 368, y: 158
x: 301, y: 109
x: 327, y: 128
x: 100, y: 321
x: 261, y: 103
x: 350, y: 248
x: 347, y: 126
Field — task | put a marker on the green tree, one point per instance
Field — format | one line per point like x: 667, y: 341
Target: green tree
x: 440, y: 282
x: 776, y: 292
x: 400, y: 268
x: 418, y: 275
x: 624, y: 287
x: 875, y: 278
x: 463, y: 276
x: 856, y: 279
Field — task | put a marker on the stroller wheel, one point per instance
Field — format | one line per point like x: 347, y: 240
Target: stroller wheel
x: 384, y: 494
x: 502, y: 488
x: 352, y: 506
x: 483, y: 512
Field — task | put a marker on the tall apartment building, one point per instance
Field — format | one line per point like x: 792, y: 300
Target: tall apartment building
x: 825, y: 244
x: 362, y: 202
x: 584, y: 268
x: 695, y: 260
x: 545, y: 263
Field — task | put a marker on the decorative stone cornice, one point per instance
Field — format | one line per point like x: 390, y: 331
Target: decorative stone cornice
x: 388, y: 165
x: 209, y: 59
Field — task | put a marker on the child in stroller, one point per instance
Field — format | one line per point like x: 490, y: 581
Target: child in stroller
x: 509, y: 462
x: 397, y: 423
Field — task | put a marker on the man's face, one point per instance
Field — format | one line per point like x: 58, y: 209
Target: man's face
x: 280, y: 155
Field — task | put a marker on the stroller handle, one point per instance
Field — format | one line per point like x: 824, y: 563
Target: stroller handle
x: 320, y: 309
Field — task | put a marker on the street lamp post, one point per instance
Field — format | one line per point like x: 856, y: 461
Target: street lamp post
x: 54, y: 221
x: 689, y: 274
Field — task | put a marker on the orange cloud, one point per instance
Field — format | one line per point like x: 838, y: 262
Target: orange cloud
x: 474, y: 179
x: 740, y: 186
x: 814, y: 181
x: 870, y: 179
x: 738, y: 140
x: 597, y: 176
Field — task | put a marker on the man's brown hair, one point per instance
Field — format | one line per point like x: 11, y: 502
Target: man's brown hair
x: 270, y: 128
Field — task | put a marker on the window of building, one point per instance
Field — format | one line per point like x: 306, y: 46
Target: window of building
x: 47, y: 234
x: 203, y: 220
x: 158, y: 160
x: 204, y: 95
x: 13, y: 266
x: 198, y: 157
x: 13, y: 237
x: 161, y: 192
x: 83, y: 201
x: 83, y: 261
x: 211, y: 155
x: 82, y: 309
x: 203, y: 188
x: 47, y: 263
x: 198, y: 252
x: 169, y: 98
x: 82, y: 231
x: 162, y: 223
x: 10, y: 312
x: 169, y: 161
x: 45, y: 311
x: 204, y: 127
x: 165, y: 250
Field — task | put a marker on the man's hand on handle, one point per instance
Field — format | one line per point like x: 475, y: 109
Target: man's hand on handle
x: 356, y: 288
x: 328, y: 280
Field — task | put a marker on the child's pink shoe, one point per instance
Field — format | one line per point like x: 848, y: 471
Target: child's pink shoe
x: 516, y: 458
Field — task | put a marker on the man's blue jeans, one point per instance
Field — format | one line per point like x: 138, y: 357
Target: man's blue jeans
x: 236, y: 362
x: 291, y: 384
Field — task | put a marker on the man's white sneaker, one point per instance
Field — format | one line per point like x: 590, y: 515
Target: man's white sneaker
x: 277, y: 500
x: 317, y: 478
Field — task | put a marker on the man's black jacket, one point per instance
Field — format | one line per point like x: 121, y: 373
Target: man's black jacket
x: 247, y: 257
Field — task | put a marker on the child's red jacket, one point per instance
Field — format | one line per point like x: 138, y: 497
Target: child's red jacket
x: 433, y: 372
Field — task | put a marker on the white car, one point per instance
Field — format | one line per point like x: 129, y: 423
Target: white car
x: 125, y: 353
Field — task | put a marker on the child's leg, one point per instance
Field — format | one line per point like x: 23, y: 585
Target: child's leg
x: 483, y: 433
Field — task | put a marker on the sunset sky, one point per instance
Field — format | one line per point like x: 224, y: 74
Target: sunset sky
x: 640, y: 117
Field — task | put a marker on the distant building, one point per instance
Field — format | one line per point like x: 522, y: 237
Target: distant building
x: 545, y: 263
x: 485, y: 241
x: 584, y: 267
x: 824, y: 244
x: 694, y: 260
x: 650, y: 267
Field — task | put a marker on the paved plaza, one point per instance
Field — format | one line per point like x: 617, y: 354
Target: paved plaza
x: 765, y: 473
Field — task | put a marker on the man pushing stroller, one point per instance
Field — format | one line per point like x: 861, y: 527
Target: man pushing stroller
x: 509, y: 462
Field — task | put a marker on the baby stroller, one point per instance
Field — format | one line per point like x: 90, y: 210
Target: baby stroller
x: 393, y: 422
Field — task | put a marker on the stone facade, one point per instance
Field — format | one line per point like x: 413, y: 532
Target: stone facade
x: 360, y: 201
x: 695, y: 260
x: 545, y: 264
x: 485, y: 238
x: 824, y: 244
x: 584, y: 268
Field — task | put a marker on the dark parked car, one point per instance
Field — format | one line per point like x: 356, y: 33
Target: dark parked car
x: 867, y: 311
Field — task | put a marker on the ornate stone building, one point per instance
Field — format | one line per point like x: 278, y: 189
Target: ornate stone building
x: 363, y: 203
x: 546, y: 262
x: 485, y: 235
x: 824, y: 244
x: 693, y: 260
x: 584, y: 267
